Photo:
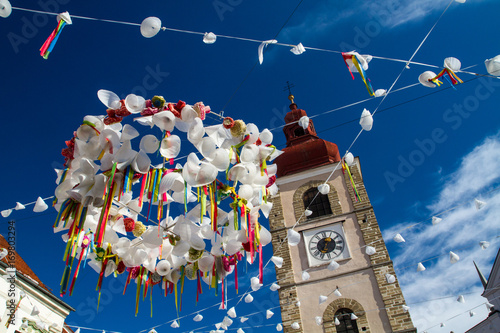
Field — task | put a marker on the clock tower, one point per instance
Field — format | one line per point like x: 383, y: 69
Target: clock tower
x: 361, y: 293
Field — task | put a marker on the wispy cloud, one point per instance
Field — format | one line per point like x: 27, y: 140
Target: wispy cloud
x: 460, y: 231
x: 326, y: 15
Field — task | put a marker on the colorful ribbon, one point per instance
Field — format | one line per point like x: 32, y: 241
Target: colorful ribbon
x: 360, y: 69
x: 49, y: 44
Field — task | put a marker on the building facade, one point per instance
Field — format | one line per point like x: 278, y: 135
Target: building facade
x: 490, y: 324
x: 38, y: 310
x: 362, y: 294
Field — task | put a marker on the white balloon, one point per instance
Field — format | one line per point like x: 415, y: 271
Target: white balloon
x: 209, y: 38
x: 366, y: 120
x: 452, y: 63
x: 150, y: 26
x: 349, y: 159
x: 425, y: 77
x: 108, y: 98
x: 293, y: 237
x: 163, y: 267
x: 493, y: 65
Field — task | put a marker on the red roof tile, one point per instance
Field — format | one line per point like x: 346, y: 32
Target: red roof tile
x: 21, y: 265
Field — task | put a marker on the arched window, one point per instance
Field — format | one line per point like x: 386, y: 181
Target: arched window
x: 299, y: 131
x: 320, y: 206
x: 346, y: 324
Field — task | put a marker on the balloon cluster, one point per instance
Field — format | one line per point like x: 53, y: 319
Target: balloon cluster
x: 108, y: 193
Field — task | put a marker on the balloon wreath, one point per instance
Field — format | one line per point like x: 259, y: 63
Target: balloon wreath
x: 115, y: 206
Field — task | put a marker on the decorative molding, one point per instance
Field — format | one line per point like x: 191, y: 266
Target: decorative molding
x: 310, y: 173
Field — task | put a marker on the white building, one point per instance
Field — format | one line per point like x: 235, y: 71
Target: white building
x: 39, y: 310
x: 492, y: 293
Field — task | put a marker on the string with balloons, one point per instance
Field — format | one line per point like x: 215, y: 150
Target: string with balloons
x: 40, y: 205
x: 355, y: 62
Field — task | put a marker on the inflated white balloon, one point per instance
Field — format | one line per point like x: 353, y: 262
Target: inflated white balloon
x: 366, y: 120
x: 324, y: 189
x: 278, y: 261
x: 349, y: 159
x: 170, y: 146
x: 165, y: 120
x: 249, y: 153
x: 274, y: 287
x: 293, y: 237
x: 134, y: 103
x: 493, y: 65
x: 333, y: 265
x: 255, y: 283
x: 232, y: 312
x: 398, y: 238
x: 245, y: 192
x: 370, y: 250
x: 425, y: 77
x: 420, y: 267
x: 454, y: 258
x: 266, y: 136
x: 5, y: 8
x: 249, y: 298
x: 452, y: 63
x: 206, y: 263
x: 150, y: 26
x: 304, y: 122
x: 265, y: 236
x: 390, y: 278
x: 209, y: 38
x: 108, y: 98
x: 149, y: 144
x: 163, y: 267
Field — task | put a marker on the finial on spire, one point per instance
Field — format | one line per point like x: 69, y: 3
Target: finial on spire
x: 289, y: 87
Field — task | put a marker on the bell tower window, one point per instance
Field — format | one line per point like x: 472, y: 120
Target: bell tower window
x: 299, y: 131
x: 347, y: 325
x: 320, y: 206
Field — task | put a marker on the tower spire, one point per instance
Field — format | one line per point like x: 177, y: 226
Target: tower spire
x: 289, y: 87
x: 481, y: 276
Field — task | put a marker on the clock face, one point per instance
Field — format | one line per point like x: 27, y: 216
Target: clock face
x: 326, y: 245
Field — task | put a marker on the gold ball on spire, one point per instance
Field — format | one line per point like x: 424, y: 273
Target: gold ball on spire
x: 291, y: 97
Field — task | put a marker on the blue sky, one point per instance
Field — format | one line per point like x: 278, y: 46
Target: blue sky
x: 453, y: 131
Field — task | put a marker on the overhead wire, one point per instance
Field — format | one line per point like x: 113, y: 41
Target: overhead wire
x: 408, y: 62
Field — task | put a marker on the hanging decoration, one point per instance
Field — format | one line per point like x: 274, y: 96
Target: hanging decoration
x: 150, y: 27
x: 5, y: 8
x: 420, y: 267
x: 359, y: 64
x: 110, y: 196
x: 298, y: 49
x: 366, y: 120
x: 62, y: 20
x: 493, y: 65
x: 454, y: 258
x: 262, y: 46
x: 345, y: 169
x: 451, y: 65
x: 436, y: 220
x: 479, y: 204
x: 209, y: 38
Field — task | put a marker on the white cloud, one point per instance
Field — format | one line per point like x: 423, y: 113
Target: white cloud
x: 460, y: 231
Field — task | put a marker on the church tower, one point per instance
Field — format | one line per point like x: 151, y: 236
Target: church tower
x: 340, y: 227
